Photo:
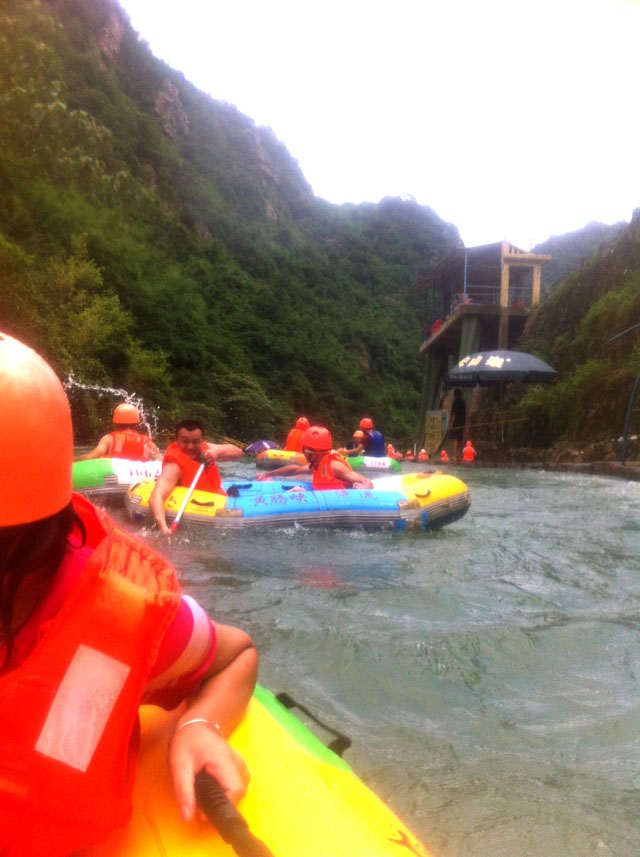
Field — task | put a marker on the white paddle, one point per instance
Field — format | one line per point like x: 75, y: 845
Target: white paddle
x: 187, y: 497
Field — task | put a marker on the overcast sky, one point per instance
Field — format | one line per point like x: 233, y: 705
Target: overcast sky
x: 514, y: 120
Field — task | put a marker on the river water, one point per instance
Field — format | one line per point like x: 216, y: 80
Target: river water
x: 486, y: 673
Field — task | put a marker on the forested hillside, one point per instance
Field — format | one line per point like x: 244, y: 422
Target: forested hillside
x: 154, y: 239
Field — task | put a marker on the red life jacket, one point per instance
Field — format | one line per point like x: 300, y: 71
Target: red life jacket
x: 468, y: 453
x: 294, y: 440
x: 323, y: 478
x: 209, y: 478
x: 68, y: 719
x: 130, y: 444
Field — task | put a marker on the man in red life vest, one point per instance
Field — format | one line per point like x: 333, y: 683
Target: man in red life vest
x: 126, y: 441
x: 468, y: 453
x: 180, y: 466
x: 294, y: 438
x: 328, y: 468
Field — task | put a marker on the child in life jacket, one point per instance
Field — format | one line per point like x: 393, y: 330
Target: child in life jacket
x: 118, y: 633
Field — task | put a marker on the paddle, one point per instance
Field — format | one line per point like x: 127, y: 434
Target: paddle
x: 223, y: 815
x: 187, y: 496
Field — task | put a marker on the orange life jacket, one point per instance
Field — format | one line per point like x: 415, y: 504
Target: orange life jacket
x: 68, y: 719
x: 323, y: 478
x: 209, y: 478
x: 130, y: 444
x: 294, y: 440
x: 444, y: 455
x: 468, y: 453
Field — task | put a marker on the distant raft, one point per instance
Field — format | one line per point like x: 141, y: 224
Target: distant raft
x: 416, y: 500
x: 270, y: 459
x: 110, y: 477
x: 302, y: 800
x: 371, y: 464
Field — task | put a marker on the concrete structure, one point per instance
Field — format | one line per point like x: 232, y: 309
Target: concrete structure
x: 477, y: 299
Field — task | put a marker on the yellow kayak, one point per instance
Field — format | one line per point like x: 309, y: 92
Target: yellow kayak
x: 302, y: 801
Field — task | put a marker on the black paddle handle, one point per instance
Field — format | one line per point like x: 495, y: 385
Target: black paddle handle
x: 223, y: 815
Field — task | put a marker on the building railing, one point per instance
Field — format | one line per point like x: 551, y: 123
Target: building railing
x: 475, y: 295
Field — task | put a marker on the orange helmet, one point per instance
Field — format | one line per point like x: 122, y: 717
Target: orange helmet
x: 126, y: 414
x: 317, y: 438
x: 35, y: 416
x: 302, y: 423
x: 366, y: 423
x: 358, y: 433
x: 468, y: 443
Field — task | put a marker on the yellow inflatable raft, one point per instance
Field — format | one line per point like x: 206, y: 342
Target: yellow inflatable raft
x: 412, y: 500
x: 270, y: 459
x: 302, y: 801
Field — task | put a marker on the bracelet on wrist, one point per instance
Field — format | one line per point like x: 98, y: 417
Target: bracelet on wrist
x: 203, y: 720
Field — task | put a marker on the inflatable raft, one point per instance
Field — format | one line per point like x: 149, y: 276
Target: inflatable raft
x: 270, y: 459
x: 302, y: 800
x: 371, y: 464
x: 111, y: 476
x: 416, y: 500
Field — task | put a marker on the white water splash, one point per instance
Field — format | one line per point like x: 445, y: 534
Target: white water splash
x: 148, y: 418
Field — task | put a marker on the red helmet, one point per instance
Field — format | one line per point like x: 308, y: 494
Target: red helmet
x: 302, y: 423
x: 317, y: 438
x: 366, y: 423
x: 35, y: 410
x: 126, y: 414
x: 358, y: 433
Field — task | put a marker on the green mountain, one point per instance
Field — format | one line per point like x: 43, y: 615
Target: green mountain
x: 572, y: 330
x: 156, y: 240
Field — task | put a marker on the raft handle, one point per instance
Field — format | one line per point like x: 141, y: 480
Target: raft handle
x: 226, y: 819
x: 339, y: 744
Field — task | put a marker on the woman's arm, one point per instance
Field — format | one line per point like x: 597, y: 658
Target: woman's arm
x: 199, y: 737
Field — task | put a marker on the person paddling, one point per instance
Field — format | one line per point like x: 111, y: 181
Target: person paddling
x: 126, y: 440
x: 92, y: 624
x: 181, y: 463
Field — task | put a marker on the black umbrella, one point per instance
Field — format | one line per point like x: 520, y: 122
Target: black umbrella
x: 496, y: 367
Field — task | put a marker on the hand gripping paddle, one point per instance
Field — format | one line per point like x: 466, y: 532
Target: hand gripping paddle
x: 223, y: 815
